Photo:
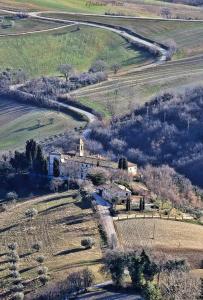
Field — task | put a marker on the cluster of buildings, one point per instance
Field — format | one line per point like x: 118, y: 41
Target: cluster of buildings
x: 76, y: 164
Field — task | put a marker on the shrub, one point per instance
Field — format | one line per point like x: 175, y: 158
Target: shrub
x: 12, y: 246
x: 18, y: 296
x: 40, y: 259
x: 75, y: 282
x: 13, y: 256
x: 88, y: 243
x: 88, y: 278
x: 37, y: 246
x: 11, y: 196
x: 98, y: 176
x: 43, y: 279
x: 42, y: 270
x: 15, y: 274
x: 31, y: 213
x: 152, y: 292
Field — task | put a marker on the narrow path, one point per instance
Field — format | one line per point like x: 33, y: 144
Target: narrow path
x: 106, y: 220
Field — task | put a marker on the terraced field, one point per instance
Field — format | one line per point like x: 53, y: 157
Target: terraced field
x: 77, y: 47
x: 19, y: 123
x: 137, y: 85
x: 168, y: 238
x: 122, y: 92
x: 61, y: 223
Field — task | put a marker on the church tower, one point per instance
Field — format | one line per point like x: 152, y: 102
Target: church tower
x: 80, y: 148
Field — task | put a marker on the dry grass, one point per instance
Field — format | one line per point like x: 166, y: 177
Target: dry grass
x: 61, y: 223
x: 180, y: 239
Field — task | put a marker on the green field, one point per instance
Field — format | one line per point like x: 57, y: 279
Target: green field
x: 187, y: 35
x: 131, y: 86
x: 19, y: 123
x: 126, y: 7
x: 41, y: 54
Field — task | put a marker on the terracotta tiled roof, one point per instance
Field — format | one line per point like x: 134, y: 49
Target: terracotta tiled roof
x: 95, y: 161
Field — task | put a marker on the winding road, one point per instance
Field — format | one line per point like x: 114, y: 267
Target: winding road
x: 152, y: 46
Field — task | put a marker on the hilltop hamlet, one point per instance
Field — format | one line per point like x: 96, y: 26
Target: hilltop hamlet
x: 101, y: 150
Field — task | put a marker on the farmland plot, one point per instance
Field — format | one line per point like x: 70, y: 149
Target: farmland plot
x: 166, y: 237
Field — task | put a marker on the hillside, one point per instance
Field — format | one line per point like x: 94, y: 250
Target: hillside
x: 91, y: 44
x: 120, y: 7
x: 61, y: 223
x: 167, y: 130
x: 20, y: 122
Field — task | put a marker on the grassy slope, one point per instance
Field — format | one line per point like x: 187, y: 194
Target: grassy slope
x: 187, y: 35
x: 129, y: 7
x: 19, y: 123
x: 61, y: 224
x: 135, y: 87
x: 126, y: 91
x: 41, y: 54
x: 26, y: 25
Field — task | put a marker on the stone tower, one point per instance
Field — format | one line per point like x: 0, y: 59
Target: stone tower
x: 80, y: 148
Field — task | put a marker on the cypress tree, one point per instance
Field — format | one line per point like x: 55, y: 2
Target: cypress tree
x: 128, y: 204
x: 45, y: 167
x: 120, y: 163
x: 125, y: 163
x: 56, y: 168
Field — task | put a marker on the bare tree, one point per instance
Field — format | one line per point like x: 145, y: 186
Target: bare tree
x: 166, y: 13
x: 66, y: 70
x: 115, y: 68
x: 180, y: 286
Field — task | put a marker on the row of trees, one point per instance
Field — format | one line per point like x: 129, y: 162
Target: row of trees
x: 168, y: 280
x: 32, y: 159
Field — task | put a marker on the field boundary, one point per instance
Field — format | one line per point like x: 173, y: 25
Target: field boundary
x: 152, y: 216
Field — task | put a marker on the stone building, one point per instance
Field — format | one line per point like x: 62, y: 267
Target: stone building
x: 76, y: 164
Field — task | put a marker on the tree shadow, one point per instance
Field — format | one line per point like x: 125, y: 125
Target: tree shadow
x: 83, y: 204
x: 69, y: 251
x: 53, y: 208
x: 8, y: 228
x: 31, y: 128
x: 55, y: 198
x: 27, y: 269
x: 70, y: 220
x: 25, y: 254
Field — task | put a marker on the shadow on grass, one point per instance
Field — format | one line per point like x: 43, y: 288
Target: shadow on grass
x: 3, y: 269
x: 83, y: 204
x: 27, y: 269
x: 26, y: 254
x: 55, y: 198
x: 31, y: 128
x: 81, y: 263
x: 73, y: 220
x: 46, y: 210
x: 8, y: 228
x: 69, y: 251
